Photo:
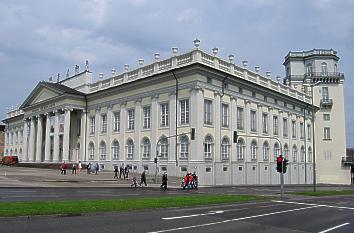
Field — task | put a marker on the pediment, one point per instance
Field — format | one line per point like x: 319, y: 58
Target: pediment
x: 43, y: 95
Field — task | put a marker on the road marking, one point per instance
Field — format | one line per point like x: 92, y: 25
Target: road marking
x: 317, y: 205
x: 335, y: 227
x: 195, y: 215
x: 233, y: 220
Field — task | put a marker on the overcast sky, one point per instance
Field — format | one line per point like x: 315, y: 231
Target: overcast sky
x: 39, y: 39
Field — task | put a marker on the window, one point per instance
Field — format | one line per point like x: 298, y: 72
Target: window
x: 103, y: 151
x: 104, y: 123
x: 286, y: 151
x: 115, y: 150
x: 302, y: 154
x: 21, y: 136
x: 184, y: 144
x: 16, y: 138
x: 146, y: 148
x: 302, y: 134
x: 208, y: 147
x: 130, y: 149
x: 326, y: 133
x: 285, y: 127
x: 116, y: 122
x: 265, y: 151
x: 275, y: 125
x: 310, y: 155
x: 91, y: 149
x: 147, y: 117
x: 309, y: 69
x: 52, y: 123
x: 131, y: 117
x: 324, y: 70
x: 253, y: 121
x: 326, y: 117
x: 254, y: 150
x: 276, y: 151
x: 184, y: 110
x: 61, y: 123
x: 208, y: 112
x: 92, y: 125
x: 309, y: 132
x: 265, y: 123
x: 225, y: 149
x: 240, y: 117
x: 293, y: 129
x: 225, y: 115
x: 164, y: 115
x: 294, y: 155
x: 325, y: 93
x: 164, y: 148
x: 240, y: 149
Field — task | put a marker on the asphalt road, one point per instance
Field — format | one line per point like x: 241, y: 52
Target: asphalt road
x: 334, y: 214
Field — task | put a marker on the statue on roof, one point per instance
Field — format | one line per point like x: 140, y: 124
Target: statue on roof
x: 67, y: 73
x: 87, y: 65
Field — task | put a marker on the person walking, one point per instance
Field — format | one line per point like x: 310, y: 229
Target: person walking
x: 73, y: 171
x: 97, y: 167
x: 88, y: 167
x: 143, y: 178
x: 126, y: 172
x: 164, y: 182
x: 79, y: 166
x: 121, y: 171
x: 115, y: 173
x: 63, y: 167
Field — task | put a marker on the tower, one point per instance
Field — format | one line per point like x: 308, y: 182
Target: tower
x: 316, y: 72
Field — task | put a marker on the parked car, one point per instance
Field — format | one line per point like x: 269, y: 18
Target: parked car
x: 9, y: 160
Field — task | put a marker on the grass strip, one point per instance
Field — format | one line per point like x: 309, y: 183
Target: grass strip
x: 73, y: 207
x: 325, y: 193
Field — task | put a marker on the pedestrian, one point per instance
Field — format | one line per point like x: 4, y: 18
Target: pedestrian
x: 190, y: 181
x: 115, y: 172
x: 64, y: 166
x: 121, y: 171
x: 126, y: 172
x: 195, y: 180
x: 134, y: 182
x: 79, y: 166
x: 88, y: 167
x: 164, y: 181
x: 143, y: 178
x: 185, y: 180
x: 97, y: 167
x: 73, y: 171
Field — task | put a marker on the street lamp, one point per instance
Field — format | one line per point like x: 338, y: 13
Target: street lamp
x: 313, y: 132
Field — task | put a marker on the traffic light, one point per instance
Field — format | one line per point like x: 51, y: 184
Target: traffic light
x: 193, y: 134
x: 155, y: 160
x: 235, y: 137
x: 285, y: 164
x: 279, y: 164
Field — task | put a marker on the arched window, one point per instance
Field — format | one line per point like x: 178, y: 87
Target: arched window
x: 91, y: 149
x: 286, y: 151
x: 302, y: 154
x: 184, y: 144
x: 11, y: 152
x: 115, y: 150
x: 240, y: 149
x: 208, y: 142
x: 7, y: 152
x: 276, y: 150
x: 309, y: 69
x: 324, y: 70
x: 164, y: 147
x: 130, y: 149
x: 146, y: 148
x: 265, y: 151
x: 335, y: 68
x: 309, y: 154
x: 20, y: 153
x: 254, y: 150
x: 225, y: 149
x: 294, y: 156
x: 103, y: 151
x: 15, y: 152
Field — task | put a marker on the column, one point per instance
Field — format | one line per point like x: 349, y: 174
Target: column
x: 172, y: 127
x: 39, y: 139
x: 56, y: 138
x: 32, y: 141
x: 123, y: 127
x: 66, y: 138
x: 137, y: 128
x: 247, y: 125
x: 217, y: 128
x: 154, y: 124
x: 83, y: 148
x: 109, y: 132
x: 6, y: 141
x: 197, y: 121
x: 233, y: 125
x: 47, y: 139
x: 25, y: 142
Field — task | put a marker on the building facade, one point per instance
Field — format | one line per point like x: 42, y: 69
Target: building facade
x: 133, y: 117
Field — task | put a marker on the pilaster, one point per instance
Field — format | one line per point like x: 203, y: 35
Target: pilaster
x: 47, y: 139
x: 56, y: 137
x: 39, y: 139
x: 32, y: 141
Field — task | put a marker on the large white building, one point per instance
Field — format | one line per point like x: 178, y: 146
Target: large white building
x: 129, y: 118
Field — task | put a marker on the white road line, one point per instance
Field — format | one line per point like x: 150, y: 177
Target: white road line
x: 195, y: 215
x: 342, y: 225
x: 233, y: 220
x: 317, y: 205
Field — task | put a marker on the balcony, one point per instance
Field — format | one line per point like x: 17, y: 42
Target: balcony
x: 347, y: 161
x: 325, y: 77
x: 326, y: 103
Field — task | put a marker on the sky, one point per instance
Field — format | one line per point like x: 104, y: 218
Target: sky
x: 39, y: 39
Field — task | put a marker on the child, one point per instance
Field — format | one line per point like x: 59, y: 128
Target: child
x: 134, y: 183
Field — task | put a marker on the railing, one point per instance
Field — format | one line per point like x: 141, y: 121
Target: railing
x: 312, y: 52
x: 347, y: 160
x: 325, y: 74
x: 326, y: 102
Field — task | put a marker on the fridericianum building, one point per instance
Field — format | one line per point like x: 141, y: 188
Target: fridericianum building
x: 133, y: 117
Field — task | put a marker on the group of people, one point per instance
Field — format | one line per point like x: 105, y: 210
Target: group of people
x: 123, y: 171
x: 190, y: 181
x: 92, y: 168
x: 143, y: 181
x: 75, y: 167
